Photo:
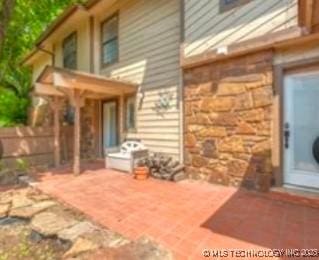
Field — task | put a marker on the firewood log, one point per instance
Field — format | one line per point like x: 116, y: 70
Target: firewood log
x: 177, y: 169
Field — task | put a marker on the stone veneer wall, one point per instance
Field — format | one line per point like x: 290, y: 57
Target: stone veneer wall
x: 88, y: 112
x: 228, y: 118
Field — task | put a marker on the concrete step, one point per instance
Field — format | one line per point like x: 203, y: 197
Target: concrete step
x: 296, y: 196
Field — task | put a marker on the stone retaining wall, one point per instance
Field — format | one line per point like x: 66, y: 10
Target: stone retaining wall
x: 228, y: 118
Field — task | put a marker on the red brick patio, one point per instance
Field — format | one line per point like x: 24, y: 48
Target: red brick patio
x: 186, y: 217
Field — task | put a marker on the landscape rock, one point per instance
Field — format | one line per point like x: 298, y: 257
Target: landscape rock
x: 8, y: 177
x: 20, y: 200
x: 31, y: 210
x: 6, y: 197
x: 35, y: 236
x: 49, y: 224
x: 106, y: 238
x: 179, y: 177
x: 10, y: 221
x: 4, y: 209
x: 80, y: 246
x: 148, y: 249
x: 24, y: 180
x: 144, y: 249
x: 40, y: 197
x: 76, y: 231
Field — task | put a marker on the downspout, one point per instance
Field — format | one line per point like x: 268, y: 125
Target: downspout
x: 52, y: 54
x: 181, y: 83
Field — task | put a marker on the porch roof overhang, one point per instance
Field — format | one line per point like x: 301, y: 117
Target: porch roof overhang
x: 76, y: 87
x: 59, y: 82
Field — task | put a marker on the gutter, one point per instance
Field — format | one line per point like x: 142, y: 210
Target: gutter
x: 55, y: 24
x: 50, y: 29
x: 60, y: 20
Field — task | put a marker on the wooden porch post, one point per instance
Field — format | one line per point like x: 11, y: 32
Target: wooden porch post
x: 121, y: 118
x: 78, y: 101
x: 77, y: 140
x: 56, y: 105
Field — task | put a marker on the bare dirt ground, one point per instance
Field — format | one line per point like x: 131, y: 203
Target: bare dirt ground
x: 16, y: 243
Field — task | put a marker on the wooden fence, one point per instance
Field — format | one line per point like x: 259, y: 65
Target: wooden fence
x: 34, y: 145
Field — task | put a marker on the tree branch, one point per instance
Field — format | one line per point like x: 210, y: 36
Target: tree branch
x: 6, y: 10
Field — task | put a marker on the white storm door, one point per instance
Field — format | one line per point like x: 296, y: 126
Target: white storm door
x: 301, y: 129
x: 110, y: 132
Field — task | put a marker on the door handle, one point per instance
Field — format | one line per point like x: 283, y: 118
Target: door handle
x: 286, y: 135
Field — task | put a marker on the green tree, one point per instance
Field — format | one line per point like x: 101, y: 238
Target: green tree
x: 6, y: 8
x: 21, y: 23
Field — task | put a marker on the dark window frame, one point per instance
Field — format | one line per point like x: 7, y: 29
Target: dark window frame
x: 115, y: 38
x: 74, y: 52
x: 118, y: 131
x: 129, y: 99
x: 224, y: 7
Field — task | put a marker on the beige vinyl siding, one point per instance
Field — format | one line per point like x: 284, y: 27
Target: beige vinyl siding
x: 40, y: 63
x: 83, y: 44
x: 78, y: 24
x: 208, y: 29
x: 149, y: 38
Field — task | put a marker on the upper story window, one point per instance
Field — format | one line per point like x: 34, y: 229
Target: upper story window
x: 110, y: 42
x: 70, y: 52
x: 130, y: 124
x: 225, y: 5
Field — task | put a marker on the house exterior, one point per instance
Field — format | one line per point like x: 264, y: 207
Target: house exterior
x: 222, y: 85
x: 147, y: 35
x: 249, y: 92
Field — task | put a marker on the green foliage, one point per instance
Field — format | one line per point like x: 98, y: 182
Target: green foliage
x: 25, y: 249
x: 1, y: 166
x: 22, y: 165
x: 12, y: 108
x: 28, y: 20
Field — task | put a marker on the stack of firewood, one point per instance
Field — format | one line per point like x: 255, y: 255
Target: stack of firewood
x: 164, y: 167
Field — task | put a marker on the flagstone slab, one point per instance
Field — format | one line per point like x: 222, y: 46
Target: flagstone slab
x: 50, y: 224
x: 145, y: 249
x: 4, y: 209
x: 31, y: 210
x: 20, y: 200
x: 76, y: 231
x: 106, y: 238
x: 6, y: 197
x: 80, y: 246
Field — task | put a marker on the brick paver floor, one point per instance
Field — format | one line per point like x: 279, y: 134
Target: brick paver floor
x: 188, y: 216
